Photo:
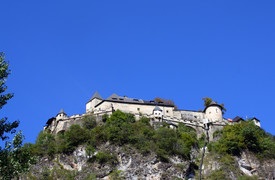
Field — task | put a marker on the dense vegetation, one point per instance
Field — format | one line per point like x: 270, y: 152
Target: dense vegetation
x: 244, y: 136
x: 123, y: 130
x: 120, y: 129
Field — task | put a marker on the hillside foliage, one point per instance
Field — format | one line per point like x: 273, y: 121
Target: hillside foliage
x: 120, y: 129
x: 123, y: 130
x: 244, y: 136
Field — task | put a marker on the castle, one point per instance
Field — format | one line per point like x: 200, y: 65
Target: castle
x: 210, y: 119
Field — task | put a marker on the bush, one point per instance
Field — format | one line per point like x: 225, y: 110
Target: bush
x: 104, y: 158
x: 119, y: 127
x: 217, y: 174
x: 72, y: 138
x: 89, y: 122
x: 246, y: 135
x: 45, y: 144
x: 98, y: 136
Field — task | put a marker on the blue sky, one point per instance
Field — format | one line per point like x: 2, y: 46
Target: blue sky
x: 61, y: 52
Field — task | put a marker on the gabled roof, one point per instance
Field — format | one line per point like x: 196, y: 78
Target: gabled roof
x: 237, y: 119
x: 113, y: 97
x: 127, y: 100
x: 256, y: 119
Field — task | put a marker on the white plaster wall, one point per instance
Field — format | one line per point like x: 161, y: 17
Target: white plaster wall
x: 146, y: 110
x: 213, y: 113
x: 91, y: 104
x: 158, y: 114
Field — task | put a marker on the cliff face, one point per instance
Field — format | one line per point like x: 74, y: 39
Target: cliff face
x: 126, y: 163
x: 233, y: 167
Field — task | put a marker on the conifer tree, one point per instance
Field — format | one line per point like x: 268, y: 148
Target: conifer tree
x: 14, y: 158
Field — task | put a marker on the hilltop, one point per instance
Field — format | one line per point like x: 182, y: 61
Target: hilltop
x: 123, y: 147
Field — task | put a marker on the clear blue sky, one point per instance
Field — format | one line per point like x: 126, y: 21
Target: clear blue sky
x: 61, y: 52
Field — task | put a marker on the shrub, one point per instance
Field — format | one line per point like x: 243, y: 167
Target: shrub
x: 98, y: 135
x: 246, y: 135
x: 73, y: 137
x: 45, y: 144
x: 119, y: 127
x: 217, y: 174
x: 89, y: 122
x: 105, y: 158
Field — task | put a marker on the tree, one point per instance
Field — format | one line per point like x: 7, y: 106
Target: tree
x: 165, y: 101
x: 5, y: 127
x: 207, y: 102
x: 14, y: 158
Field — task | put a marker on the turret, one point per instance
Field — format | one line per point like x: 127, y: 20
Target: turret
x: 95, y: 100
x: 157, y: 113
x: 61, y: 115
x: 213, y: 112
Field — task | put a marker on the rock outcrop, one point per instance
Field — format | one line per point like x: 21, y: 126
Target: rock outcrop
x: 131, y: 164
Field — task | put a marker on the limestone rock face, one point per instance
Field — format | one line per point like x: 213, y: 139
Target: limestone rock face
x: 250, y: 165
x: 130, y: 164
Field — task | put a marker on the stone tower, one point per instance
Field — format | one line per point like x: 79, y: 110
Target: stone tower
x: 213, y: 112
x: 61, y: 115
x: 95, y: 100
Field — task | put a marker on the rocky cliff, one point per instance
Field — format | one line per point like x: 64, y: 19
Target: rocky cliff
x: 130, y: 164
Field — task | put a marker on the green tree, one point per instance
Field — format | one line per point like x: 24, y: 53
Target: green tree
x: 245, y: 136
x: 45, y: 144
x: 73, y: 137
x: 119, y: 127
x: 89, y: 121
x: 207, y: 101
x: 14, y: 158
x: 5, y: 126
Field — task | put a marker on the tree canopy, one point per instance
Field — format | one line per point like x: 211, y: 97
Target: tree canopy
x: 14, y: 158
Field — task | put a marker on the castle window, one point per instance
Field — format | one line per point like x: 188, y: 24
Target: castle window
x: 121, y: 99
x: 138, y: 109
x: 135, y: 99
x: 114, y: 98
x: 167, y: 111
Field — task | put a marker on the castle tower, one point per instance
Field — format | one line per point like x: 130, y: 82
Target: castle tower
x: 61, y: 115
x: 95, y: 100
x: 213, y: 112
